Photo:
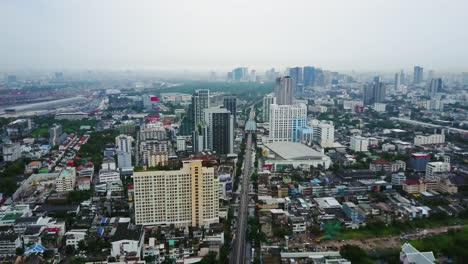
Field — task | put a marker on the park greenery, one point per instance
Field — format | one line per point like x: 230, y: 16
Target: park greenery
x: 380, y: 229
x: 92, y: 150
x: 8, y: 179
x: 69, y: 126
x: 249, y: 91
x: 453, y: 245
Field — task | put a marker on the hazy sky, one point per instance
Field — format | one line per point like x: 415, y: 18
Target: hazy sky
x: 369, y: 35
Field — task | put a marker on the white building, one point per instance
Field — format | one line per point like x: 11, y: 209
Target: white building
x: 74, y: 236
x: 109, y: 175
x: 11, y: 151
x: 297, y: 155
x: 398, y: 178
x: 359, y: 144
x: 349, y: 105
x: 285, y: 122
x: 124, y: 151
x: 181, y: 143
x: 65, y: 182
x: 267, y: 101
x: 380, y: 107
x: 324, y: 133
x: 153, y: 131
x: 432, y: 168
x: 185, y: 197
x: 435, y: 139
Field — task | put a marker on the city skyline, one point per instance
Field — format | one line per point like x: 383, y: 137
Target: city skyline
x: 208, y: 35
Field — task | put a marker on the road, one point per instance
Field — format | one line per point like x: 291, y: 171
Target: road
x: 239, y: 253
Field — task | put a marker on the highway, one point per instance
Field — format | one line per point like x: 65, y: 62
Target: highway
x: 239, y: 253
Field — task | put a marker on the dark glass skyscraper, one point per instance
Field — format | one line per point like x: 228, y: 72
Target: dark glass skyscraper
x: 230, y: 103
x: 222, y: 133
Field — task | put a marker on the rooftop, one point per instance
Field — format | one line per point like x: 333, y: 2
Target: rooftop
x: 292, y: 150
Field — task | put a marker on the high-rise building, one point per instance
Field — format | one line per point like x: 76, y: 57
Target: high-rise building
x: 319, y: 77
x: 402, y: 77
x: 123, y: 144
x: 286, y: 121
x: 185, y: 197
x: 418, y: 75
x: 397, y: 81
x: 219, y: 130
x: 230, y: 103
x: 240, y: 74
x: 374, y: 92
x: 56, y: 135
x: 187, y: 123
x: 296, y: 74
x: 284, y: 91
x: 271, y: 74
x: 268, y: 100
x: 435, y: 87
x: 309, y: 76
x: 200, y: 102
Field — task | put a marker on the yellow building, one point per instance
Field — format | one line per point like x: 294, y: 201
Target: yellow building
x: 185, y: 197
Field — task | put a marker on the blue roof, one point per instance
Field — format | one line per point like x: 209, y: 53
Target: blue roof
x: 100, y: 231
x: 104, y: 220
x: 36, y: 248
x: 315, y: 181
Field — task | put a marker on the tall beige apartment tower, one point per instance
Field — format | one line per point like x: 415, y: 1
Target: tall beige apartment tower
x: 185, y: 197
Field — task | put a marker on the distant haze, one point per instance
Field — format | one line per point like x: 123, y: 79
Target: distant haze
x: 367, y: 35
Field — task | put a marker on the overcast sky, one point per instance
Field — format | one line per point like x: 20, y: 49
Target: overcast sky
x: 366, y: 35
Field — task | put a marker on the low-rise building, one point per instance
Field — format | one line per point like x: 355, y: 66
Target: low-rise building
x: 73, y: 237
x: 11, y: 151
x: 435, y: 139
x: 9, y: 242
x: 66, y: 180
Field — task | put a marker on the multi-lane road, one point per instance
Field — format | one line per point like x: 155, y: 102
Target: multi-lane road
x: 239, y: 254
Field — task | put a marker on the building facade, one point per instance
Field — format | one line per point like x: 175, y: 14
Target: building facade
x: 185, y: 197
x: 267, y: 101
x: 124, y: 151
x: 359, y: 144
x: 286, y: 121
x: 284, y: 91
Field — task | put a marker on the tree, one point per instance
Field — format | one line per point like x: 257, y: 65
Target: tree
x: 19, y: 251
x: 69, y: 249
x: 82, y: 245
x: 209, y: 258
x: 355, y: 254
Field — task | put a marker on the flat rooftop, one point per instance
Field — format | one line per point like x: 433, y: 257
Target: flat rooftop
x: 293, y: 151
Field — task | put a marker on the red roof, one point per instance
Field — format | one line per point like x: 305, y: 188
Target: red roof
x: 79, y: 168
x: 412, y: 182
x: 52, y: 229
x: 379, y: 162
x: 131, y: 187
